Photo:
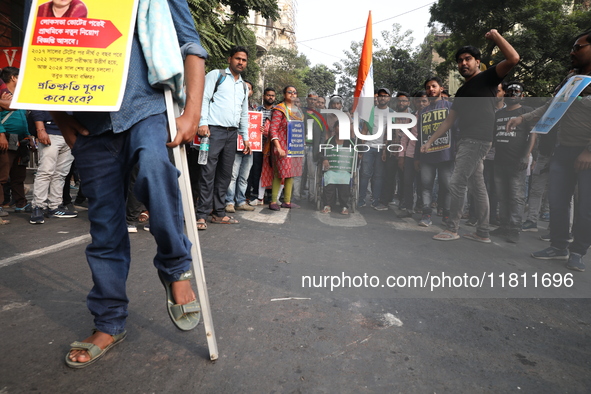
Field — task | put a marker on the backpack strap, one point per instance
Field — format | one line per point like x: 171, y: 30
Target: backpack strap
x: 221, y: 79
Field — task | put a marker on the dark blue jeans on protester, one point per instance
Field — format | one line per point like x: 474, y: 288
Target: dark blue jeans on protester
x: 510, y: 190
x: 105, y: 162
x: 563, y: 180
x: 444, y: 170
x: 372, y: 167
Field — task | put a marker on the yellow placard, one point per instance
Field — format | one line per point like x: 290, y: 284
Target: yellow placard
x: 76, y: 56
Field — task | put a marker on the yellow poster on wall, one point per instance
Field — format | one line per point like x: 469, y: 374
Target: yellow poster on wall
x: 76, y: 55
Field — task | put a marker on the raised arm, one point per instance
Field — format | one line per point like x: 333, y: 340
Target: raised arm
x: 511, y: 55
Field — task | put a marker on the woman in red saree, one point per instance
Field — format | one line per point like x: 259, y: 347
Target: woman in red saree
x: 284, y: 168
x: 63, y: 9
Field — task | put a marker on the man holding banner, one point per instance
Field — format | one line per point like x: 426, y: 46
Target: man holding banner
x: 107, y: 145
x: 570, y: 165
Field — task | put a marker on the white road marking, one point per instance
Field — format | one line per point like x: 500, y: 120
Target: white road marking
x: 269, y: 217
x: 50, y: 249
x: 353, y: 220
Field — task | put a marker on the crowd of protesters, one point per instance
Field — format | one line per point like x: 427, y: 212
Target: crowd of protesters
x: 468, y: 165
x: 440, y: 167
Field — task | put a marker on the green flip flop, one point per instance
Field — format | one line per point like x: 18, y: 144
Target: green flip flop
x: 185, y: 317
x: 93, y: 350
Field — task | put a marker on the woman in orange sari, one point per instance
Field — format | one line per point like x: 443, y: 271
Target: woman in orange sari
x: 62, y: 9
x: 284, y: 168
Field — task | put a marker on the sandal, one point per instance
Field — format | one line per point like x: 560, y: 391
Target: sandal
x: 224, y: 220
x: 477, y: 238
x: 326, y: 209
x: 144, y: 217
x: 345, y: 211
x: 185, y: 317
x: 94, y: 352
x: 446, y: 236
x: 201, y: 225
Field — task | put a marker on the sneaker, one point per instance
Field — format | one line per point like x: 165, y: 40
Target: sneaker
x: 344, y: 211
x: 445, y: 219
x: 37, y: 216
x: 405, y: 214
x: 380, y: 207
x: 230, y: 208
x: 551, y: 253
x: 545, y: 217
x: 61, y: 212
x: 499, y: 232
x: 147, y: 227
x: 439, y: 211
x: 244, y: 207
x: 394, y: 203
x: 70, y: 207
x: 361, y: 204
x: 3, y: 213
x: 512, y: 236
x: 528, y: 225
x: 425, y: 221
x: 471, y: 222
x: 26, y: 208
x: 545, y: 237
x: 256, y: 201
x: 131, y: 228
x: 575, y: 262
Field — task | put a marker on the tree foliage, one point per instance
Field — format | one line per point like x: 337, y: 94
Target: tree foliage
x: 221, y: 30
x: 320, y: 79
x: 281, y: 67
x: 397, y: 65
x: 542, y: 32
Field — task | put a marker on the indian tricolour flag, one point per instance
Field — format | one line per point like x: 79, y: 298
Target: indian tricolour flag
x: 363, y: 103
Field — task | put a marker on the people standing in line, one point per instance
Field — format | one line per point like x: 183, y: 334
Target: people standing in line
x: 474, y: 108
x: 373, y: 159
x: 305, y: 186
x: 13, y: 129
x: 55, y: 160
x: 240, y: 172
x: 284, y: 168
x: 570, y: 167
x: 512, y: 152
x: 254, y: 180
x: 439, y: 160
x: 224, y: 113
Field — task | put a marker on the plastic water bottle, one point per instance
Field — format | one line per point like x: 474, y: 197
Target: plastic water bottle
x: 203, y: 150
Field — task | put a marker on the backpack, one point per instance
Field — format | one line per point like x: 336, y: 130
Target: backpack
x: 221, y: 79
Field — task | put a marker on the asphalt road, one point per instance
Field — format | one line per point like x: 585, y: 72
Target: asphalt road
x: 275, y: 335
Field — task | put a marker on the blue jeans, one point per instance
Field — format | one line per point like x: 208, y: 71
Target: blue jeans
x: 240, y: 172
x: 105, y: 162
x: 510, y: 189
x: 563, y: 180
x: 444, y: 171
x: 468, y: 171
x: 372, y: 167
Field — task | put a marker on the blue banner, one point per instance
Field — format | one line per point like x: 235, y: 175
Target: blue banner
x: 295, y: 138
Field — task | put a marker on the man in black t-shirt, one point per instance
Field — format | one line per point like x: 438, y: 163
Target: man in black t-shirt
x: 474, y: 108
x: 512, y: 150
